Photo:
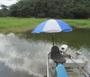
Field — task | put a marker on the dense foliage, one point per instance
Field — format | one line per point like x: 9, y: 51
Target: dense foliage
x: 4, y: 11
x: 51, y: 8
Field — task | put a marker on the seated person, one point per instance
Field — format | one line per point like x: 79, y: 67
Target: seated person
x: 56, y: 55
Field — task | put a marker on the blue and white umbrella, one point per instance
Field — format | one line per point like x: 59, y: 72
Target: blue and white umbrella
x: 52, y: 26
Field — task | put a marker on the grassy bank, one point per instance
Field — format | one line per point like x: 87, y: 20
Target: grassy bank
x: 12, y: 24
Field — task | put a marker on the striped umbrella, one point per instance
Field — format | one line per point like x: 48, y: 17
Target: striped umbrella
x: 52, y: 26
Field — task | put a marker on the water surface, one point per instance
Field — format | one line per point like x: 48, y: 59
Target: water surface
x: 77, y: 38
x: 26, y: 57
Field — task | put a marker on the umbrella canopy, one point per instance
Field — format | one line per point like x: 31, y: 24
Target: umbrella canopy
x: 52, y: 26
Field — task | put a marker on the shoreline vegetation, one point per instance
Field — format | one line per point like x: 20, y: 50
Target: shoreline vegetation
x: 21, y: 25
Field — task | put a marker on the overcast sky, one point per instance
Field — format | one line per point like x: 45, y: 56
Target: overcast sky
x: 7, y: 2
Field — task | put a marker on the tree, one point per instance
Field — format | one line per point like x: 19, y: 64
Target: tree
x: 4, y: 10
x: 51, y: 8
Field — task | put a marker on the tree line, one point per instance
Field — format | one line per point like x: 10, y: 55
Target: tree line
x: 50, y: 8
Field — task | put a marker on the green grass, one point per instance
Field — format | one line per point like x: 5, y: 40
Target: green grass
x: 12, y: 24
x: 80, y: 23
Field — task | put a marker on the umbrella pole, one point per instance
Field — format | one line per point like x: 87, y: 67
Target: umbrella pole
x: 53, y: 39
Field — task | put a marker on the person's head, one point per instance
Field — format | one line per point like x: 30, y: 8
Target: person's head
x: 64, y: 48
x: 55, y: 49
x: 54, y: 52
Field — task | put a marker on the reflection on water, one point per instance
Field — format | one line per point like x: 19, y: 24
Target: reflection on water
x: 24, y: 58
x: 22, y: 55
x: 7, y: 72
x: 77, y: 38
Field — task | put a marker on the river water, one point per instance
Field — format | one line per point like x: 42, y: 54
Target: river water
x: 20, y: 57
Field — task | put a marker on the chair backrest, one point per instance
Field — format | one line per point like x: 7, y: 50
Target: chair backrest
x: 61, y: 71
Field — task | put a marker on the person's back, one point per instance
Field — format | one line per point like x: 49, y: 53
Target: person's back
x: 56, y: 55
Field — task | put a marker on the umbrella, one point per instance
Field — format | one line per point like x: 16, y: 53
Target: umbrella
x: 52, y: 26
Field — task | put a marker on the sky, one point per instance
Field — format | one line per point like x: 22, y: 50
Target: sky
x: 7, y: 2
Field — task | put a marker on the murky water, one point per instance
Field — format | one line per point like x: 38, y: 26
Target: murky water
x: 26, y: 58
x: 22, y: 55
x: 77, y: 38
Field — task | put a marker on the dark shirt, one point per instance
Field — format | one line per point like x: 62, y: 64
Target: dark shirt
x: 57, y: 57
